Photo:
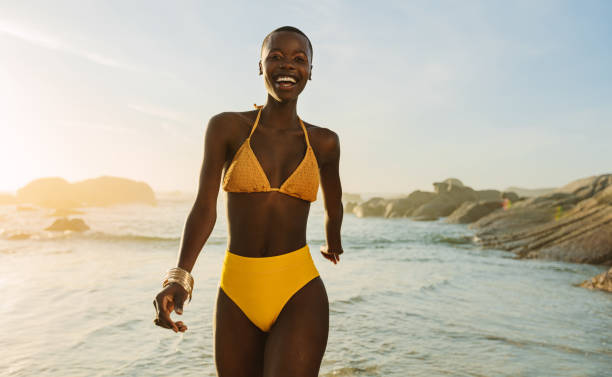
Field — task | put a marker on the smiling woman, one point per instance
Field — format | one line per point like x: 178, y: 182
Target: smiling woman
x: 272, y: 312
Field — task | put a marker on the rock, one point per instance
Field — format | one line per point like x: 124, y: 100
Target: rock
x: 373, y: 207
x: 488, y: 195
x: 469, y: 212
x: 527, y: 193
x: 349, y: 207
x: 77, y: 225
x: 19, y: 236
x: 404, y: 207
x: 102, y: 191
x: 440, y: 206
x: 451, y: 194
x: 602, y: 281
x: 513, y: 197
x: 573, y: 224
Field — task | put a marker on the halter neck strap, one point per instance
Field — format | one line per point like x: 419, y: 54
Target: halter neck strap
x: 260, y: 107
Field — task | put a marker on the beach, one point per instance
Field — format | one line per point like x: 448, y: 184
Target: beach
x: 407, y: 299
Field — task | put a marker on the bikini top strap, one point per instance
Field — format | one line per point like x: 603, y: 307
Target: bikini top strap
x: 256, y: 120
x: 305, y: 132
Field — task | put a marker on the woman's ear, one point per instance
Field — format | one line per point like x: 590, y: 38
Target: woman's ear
x: 260, y: 69
x: 310, y: 73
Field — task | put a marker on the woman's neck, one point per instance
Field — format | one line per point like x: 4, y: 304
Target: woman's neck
x: 280, y: 115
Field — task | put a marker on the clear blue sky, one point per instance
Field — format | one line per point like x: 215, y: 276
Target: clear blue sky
x: 495, y: 93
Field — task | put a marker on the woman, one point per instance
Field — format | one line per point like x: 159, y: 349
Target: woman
x: 272, y: 313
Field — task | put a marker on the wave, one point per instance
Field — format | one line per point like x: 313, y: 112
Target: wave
x: 97, y: 236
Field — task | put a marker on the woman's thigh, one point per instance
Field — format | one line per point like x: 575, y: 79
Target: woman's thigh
x: 239, y: 344
x: 296, y: 343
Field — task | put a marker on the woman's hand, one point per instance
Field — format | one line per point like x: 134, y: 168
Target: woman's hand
x: 172, y: 297
x: 332, y: 255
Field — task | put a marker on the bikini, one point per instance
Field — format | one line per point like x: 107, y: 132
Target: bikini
x: 261, y: 287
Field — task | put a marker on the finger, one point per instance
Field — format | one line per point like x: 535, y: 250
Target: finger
x: 181, y: 326
x: 179, y: 305
x: 164, y: 315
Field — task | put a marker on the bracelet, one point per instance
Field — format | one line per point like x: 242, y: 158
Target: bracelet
x: 181, y: 277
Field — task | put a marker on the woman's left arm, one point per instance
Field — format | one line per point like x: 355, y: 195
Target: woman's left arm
x: 329, y: 171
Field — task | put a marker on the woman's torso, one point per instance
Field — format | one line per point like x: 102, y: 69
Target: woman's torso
x: 262, y: 224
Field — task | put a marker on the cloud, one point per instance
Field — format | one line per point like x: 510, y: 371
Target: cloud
x: 47, y: 41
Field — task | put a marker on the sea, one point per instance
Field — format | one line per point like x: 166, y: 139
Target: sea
x: 407, y: 299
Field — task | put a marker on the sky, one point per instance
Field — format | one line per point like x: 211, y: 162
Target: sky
x: 494, y: 93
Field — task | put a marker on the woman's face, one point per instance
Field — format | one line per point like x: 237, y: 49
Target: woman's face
x: 285, y: 65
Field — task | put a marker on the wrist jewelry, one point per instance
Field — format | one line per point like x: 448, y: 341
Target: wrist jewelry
x: 181, y: 277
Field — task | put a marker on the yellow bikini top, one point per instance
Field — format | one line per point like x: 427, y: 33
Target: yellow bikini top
x: 245, y: 174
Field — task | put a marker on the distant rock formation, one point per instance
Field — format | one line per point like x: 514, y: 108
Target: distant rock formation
x: 103, y: 191
x: 449, y: 195
x: 63, y: 224
x: 525, y: 192
x: 602, y: 281
x: 468, y: 212
x: 573, y: 224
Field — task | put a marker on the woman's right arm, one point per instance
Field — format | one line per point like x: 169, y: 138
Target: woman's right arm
x: 203, y: 215
x: 200, y: 221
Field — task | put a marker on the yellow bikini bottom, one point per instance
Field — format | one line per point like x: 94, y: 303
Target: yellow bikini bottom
x: 262, y: 286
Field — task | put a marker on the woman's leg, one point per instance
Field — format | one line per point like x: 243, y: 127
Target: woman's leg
x: 296, y: 343
x: 239, y: 344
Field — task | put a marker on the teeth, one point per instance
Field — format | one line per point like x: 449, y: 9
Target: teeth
x: 286, y: 78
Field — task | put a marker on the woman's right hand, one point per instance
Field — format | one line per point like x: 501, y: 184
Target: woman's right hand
x: 172, y: 297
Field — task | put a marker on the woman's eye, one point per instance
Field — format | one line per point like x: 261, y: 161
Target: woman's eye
x: 300, y: 59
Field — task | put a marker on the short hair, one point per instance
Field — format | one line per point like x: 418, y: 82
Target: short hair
x: 290, y: 29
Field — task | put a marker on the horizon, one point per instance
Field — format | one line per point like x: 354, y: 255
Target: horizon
x: 495, y: 94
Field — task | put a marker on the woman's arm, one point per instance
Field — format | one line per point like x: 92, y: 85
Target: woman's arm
x: 329, y: 170
x: 203, y: 215
x: 200, y: 221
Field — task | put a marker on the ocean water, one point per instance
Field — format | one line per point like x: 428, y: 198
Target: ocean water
x: 407, y: 299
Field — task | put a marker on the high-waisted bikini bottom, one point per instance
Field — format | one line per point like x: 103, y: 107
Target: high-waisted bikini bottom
x: 262, y: 286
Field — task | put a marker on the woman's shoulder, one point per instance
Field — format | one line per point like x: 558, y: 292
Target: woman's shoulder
x: 231, y: 123
x: 324, y: 141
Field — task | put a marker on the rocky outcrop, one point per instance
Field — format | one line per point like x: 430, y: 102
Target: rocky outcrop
x: 404, y: 207
x: 448, y: 195
x: 468, y: 212
x: 103, y: 191
x: 372, y: 207
x: 602, y: 281
x: 63, y: 224
x: 573, y: 224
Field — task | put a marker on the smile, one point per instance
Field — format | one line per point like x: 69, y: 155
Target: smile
x: 285, y: 82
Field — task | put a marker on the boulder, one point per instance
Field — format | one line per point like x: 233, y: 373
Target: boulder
x: 373, y: 207
x: 102, y: 191
x: 573, y: 224
x: 488, y: 195
x: 602, y: 281
x: 404, y: 207
x: 451, y: 194
x: 468, y: 212
x: 63, y: 224
x: 349, y: 207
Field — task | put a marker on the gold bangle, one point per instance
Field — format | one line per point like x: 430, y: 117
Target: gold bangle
x: 181, y: 277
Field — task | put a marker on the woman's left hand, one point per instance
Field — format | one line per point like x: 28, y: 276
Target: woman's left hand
x: 332, y: 255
